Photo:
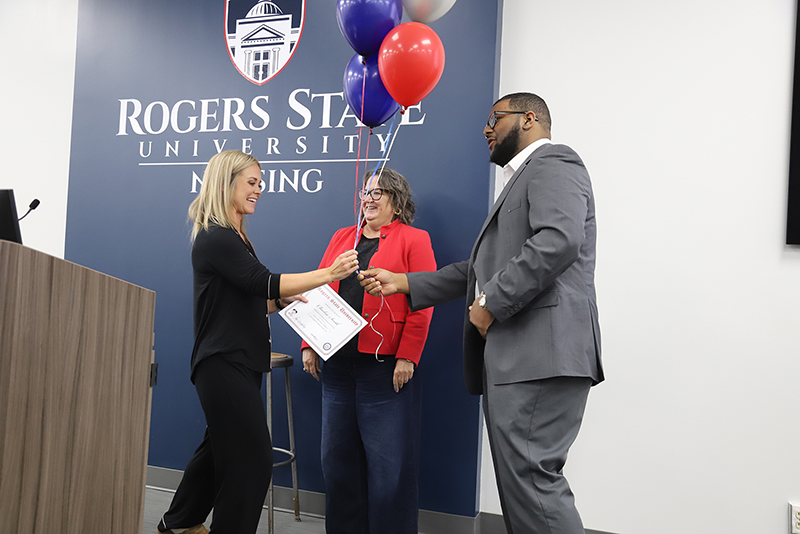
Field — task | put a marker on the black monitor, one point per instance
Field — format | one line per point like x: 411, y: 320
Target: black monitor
x: 9, y: 224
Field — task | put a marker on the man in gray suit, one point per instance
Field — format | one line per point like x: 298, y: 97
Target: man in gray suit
x: 531, y: 334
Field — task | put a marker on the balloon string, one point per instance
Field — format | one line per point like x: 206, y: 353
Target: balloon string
x: 356, y: 200
x: 360, y: 212
x: 374, y: 179
x: 360, y: 216
x: 359, y: 208
x: 368, y: 186
x: 357, y: 211
x: 373, y: 329
x: 391, y: 144
x: 394, y: 328
x: 376, y: 174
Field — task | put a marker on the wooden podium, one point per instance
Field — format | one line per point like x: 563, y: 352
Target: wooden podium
x: 76, y: 348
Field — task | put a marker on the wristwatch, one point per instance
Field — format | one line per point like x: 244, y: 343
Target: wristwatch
x: 482, y: 300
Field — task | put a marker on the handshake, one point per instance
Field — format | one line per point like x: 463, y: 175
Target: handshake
x: 382, y: 282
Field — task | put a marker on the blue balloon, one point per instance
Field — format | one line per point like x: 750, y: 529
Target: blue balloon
x: 364, y: 23
x: 378, y: 103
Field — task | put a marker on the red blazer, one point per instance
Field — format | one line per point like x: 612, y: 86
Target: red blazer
x: 401, y: 249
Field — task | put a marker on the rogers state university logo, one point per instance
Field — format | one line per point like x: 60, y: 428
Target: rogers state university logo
x: 263, y: 37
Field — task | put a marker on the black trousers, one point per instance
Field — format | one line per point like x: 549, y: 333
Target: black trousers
x: 231, y: 469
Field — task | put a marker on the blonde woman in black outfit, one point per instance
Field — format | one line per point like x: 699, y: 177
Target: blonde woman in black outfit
x: 231, y: 469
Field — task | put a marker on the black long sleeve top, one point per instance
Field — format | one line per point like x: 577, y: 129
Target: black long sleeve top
x: 231, y: 288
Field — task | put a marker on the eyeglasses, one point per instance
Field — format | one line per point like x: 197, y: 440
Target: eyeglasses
x: 493, y: 117
x: 374, y: 194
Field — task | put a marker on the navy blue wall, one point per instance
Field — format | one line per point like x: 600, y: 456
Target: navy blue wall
x: 129, y: 193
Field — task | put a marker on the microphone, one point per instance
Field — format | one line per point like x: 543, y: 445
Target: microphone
x: 33, y: 206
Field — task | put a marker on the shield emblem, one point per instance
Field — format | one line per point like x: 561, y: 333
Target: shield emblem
x: 262, y: 35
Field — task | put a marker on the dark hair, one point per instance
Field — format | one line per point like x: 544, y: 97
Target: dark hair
x: 396, y: 185
x: 530, y: 102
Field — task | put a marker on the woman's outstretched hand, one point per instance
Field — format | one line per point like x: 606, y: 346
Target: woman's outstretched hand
x: 345, y: 265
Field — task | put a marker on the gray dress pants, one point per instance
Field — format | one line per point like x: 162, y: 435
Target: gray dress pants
x: 531, y: 426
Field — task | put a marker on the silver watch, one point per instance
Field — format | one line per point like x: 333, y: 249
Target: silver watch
x: 482, y: 300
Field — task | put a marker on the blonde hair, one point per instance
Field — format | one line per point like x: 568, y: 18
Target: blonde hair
x: 215, y: 200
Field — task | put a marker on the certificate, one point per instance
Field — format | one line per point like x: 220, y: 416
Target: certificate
x: 326, y: 322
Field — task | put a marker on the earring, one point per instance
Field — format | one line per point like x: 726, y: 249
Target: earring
x: 398, y: 211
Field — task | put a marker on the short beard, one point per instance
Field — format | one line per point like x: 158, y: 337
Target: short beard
x: 505, y: 150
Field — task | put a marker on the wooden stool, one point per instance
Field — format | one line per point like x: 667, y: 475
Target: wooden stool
x: 285, y: 361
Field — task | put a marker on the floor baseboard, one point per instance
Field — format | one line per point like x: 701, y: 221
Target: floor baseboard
x: 313, y: 503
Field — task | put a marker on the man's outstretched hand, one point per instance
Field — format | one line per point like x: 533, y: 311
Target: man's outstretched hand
x: 382, y: 282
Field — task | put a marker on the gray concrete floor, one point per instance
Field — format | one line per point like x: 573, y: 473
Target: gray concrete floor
x: 157, y: 501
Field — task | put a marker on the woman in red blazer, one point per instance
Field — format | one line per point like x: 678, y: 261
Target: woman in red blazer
x: 370, y: 402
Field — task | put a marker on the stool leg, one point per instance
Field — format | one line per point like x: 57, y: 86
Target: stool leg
x: 270, y: 493
x: 291, y: 447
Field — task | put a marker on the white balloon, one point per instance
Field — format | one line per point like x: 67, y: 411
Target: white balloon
x: 426, y: 11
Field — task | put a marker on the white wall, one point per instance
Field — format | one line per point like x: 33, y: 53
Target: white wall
x: 681, y: 112
x: 37, y: 78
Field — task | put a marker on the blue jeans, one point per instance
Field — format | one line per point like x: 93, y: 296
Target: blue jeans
x: 370, y: 448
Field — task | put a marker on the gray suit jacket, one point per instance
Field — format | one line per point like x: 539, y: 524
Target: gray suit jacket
x: 534, y: 258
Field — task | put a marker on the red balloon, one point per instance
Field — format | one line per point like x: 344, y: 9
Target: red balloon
x: 410, y: 62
